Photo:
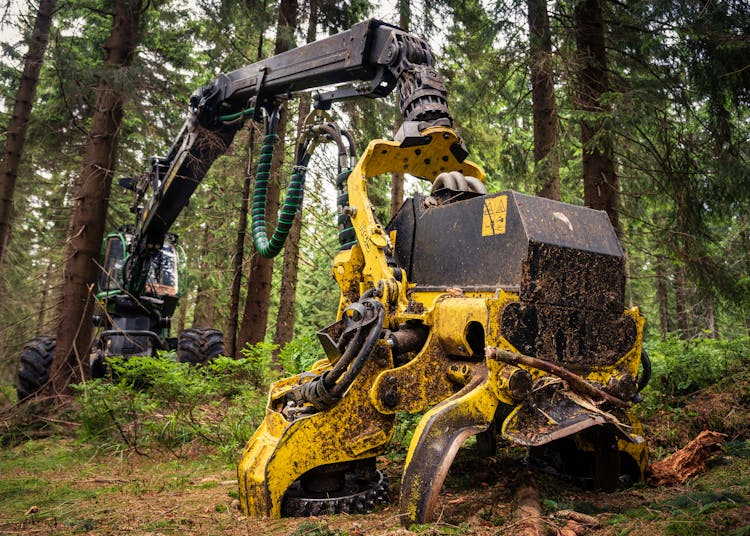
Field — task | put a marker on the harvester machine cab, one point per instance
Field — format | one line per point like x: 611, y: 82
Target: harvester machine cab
x: 136, y: 325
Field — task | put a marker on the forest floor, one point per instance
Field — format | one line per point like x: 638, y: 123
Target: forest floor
x: 56, y: 486
x: 60, y: 485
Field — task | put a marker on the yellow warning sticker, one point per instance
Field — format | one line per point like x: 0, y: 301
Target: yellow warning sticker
x: 493, y: 220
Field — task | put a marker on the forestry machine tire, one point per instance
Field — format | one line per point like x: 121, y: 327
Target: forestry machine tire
x: 34, y: 366
x: 199, y: 345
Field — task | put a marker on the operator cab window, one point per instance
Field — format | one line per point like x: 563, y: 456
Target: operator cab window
x: 111, y: 275
x: 162, y: 276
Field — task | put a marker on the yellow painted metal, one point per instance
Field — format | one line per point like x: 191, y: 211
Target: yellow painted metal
x: 638, y: 451
x: 381, y: 156
x: 476, y: 404
x: 425, y: 380
x: 449, y: 376
x: 436, y: 440
x: 281, y: 451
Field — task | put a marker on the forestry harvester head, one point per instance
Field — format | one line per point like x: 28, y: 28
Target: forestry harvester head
x: 491, y: 313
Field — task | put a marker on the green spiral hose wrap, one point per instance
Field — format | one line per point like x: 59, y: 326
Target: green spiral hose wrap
x: 292, y: 202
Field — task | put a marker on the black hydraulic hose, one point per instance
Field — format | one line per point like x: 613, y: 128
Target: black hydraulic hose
x: 352, y: 144
x: 355, y: 368
x: 346, y: 358
x: 347, y: 234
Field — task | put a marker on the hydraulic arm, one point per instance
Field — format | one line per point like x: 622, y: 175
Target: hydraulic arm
x: 378, y: 56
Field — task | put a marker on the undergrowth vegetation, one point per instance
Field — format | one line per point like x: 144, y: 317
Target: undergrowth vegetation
x: 155, y: 402
x: 193, y: 421
x: 682, y: 367
x: 696, y: 384
x: 158, y: 403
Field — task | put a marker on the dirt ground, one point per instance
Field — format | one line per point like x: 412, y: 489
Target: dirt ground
x: 53, y: 486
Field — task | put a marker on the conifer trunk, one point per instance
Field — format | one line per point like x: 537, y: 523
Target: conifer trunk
x: 41, y: 323
x: 601, y: 186
x: 290, y: 268
x: 239, y: 249
x: 681, y: 304
x: 709, y: 316
x: 257, y: 304
x: 16, y: 133
x: 74, y: 329
x: 543, y: 102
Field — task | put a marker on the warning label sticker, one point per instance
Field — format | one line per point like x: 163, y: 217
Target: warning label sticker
x: 493, y: 220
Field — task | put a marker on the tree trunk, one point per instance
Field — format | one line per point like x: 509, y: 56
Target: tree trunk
x: 662, y: 297
x: 257, y: 304
x: 287, y: 300
x: 546, y: 171
x: 91, y: 201
x: 180, y: 318
x: 41, y: 324
x: 239, y: 249
x: 16, y: 133
x: 709, y: 316
x: 745, y: 240
x: 601, y: 188
x: 397, y: 179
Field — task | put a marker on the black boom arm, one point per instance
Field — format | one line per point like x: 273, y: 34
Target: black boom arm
x: 376, y: 56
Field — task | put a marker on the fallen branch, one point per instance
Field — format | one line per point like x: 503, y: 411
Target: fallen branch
x: 575, y: 382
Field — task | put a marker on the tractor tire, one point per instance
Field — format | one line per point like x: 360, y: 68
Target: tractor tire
x: 199, y: 345
x: 34, y: 366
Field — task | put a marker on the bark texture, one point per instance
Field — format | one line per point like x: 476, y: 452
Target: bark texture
x: 74, y: 329
x: 543, y: 103
x: 687, y: 462
x: 205, y: 299
x: 16, y: 133
x: 601, y: 185
x: 239, y: 248
x: 662, y: 297
x: 681, y: 303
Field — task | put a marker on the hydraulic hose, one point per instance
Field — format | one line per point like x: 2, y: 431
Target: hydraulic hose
x: 327, y: 389
x: 295, y: 191
x: 347, y: 234
x: 293, y: 200
x: 354, y: 369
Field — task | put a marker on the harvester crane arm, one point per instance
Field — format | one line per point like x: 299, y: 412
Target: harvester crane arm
x: 380, y: 56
